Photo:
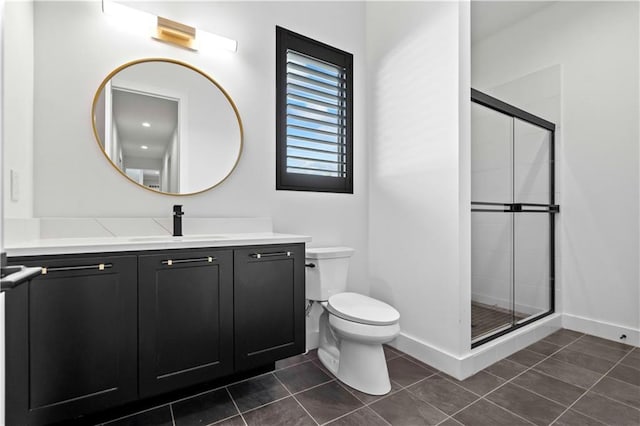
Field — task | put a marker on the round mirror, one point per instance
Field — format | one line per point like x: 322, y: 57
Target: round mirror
x: 167, y: 126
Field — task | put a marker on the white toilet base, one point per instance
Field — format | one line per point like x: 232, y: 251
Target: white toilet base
x: 363, y: 367
x: 356, y: 358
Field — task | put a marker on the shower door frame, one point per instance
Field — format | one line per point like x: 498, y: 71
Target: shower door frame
x: 551, y: 209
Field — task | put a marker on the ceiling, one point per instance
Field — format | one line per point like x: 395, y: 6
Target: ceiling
x: 489, y: 17
x: 130, y: 110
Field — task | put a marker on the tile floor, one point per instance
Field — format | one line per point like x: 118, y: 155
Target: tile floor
x: 566, y: 379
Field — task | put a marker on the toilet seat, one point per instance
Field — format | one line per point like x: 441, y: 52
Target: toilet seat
x: 362, y: 309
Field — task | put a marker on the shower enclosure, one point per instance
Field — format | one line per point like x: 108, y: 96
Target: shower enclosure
x: 512, y: 218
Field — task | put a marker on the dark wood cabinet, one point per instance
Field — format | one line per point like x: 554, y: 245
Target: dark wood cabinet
x: 98, y: 331
x: 185, y: 318
x: 71, y: 338
x: 269, y: 301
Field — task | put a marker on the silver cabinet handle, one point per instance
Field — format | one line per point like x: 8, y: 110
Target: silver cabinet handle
x: 100, y: 267
x: 169, y: 262
x: 261, y: 255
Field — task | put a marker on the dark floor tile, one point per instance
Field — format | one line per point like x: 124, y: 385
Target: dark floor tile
x: 258, y: 391
x: 321, y: 366
x: 607, y: 411
x: 600, y: 351
x: 532, y: 407
x: 442, y: 394
x: 390, y: 353
x: 632, y: 359
x: 204, y: 409
x: 599, y: 365
x: 302, y: 376
x: 420, y: 363
x: 526, y: 357
x: 563, y: 337
x: 620, y: 391
x: 298, y: 359
x: 362, y: 417
x: 404, y: 408
x: 484, y: 413
x: 480, y: 383
x: 505, y: 369
x: 544, y: 347
x: 367, y: 398
x: 284, y: 412
x: 405, y: 372
x: 573, y: 418
x: 450, y: 422
x: 606, y: 342
x: 568, y: 372
x: 233, y: 421
x: 328, y: 402
x: 626, y: 374
x: 547, y: 386
x: 157, y: 417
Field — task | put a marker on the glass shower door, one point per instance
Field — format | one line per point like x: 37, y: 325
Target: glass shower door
x: 491, y: 227
x: 532, y: 245
x: 512, y: 218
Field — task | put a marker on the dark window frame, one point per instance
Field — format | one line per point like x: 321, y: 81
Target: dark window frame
x: 286, y: 40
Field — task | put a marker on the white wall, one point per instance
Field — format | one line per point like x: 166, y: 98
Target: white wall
x: 596, y: 44
x: 419, y: 170
x: 76, y: 47
x: 18, y: 81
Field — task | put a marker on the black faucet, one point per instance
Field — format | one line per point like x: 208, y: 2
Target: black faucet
x: 177, y: 220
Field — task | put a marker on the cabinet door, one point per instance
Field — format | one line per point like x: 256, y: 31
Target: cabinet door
x: 186, y: 318
x: 268, y: 304
x: 72, y: 339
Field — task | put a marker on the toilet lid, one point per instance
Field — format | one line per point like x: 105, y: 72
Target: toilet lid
x: 362, y: 309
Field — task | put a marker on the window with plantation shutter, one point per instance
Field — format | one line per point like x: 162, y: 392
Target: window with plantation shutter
x: 314, y: 110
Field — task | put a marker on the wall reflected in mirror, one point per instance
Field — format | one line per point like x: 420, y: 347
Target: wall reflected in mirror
x: 167, y: 126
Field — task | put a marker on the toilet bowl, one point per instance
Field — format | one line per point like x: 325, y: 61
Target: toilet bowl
x: 352, y: 326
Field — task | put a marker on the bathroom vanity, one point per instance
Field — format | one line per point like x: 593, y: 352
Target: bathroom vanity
x: 115, y: 321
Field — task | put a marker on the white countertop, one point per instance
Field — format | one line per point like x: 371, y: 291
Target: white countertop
x: 51, y: 246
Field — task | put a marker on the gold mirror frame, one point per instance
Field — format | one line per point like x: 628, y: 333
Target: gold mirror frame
x: 186, y: 65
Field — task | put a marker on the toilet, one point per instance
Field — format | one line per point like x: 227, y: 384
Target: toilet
x: 352, y: 326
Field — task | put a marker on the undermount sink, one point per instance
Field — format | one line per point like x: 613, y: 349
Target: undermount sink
x: 169, y: 238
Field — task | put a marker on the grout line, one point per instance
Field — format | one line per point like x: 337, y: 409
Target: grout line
x: 507, y: 410
x: 296, y: 400
x: 546, y: 397
x: 343, y: 415
x: 235, y: 405
x: 173, y: 419
x: 313, y: 387
x: 136, y: 413
x: 630, y: 347
x: 376, y: 413
x: 268, y: 403
x: 589, y: 390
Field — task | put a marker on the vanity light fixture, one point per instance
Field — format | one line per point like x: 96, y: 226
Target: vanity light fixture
x: 144, y: 147
x: 146, y: 124
x: 168, y: 31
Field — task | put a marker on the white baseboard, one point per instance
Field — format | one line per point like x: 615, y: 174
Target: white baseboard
x: 603, y: 329
x: 477, y: 359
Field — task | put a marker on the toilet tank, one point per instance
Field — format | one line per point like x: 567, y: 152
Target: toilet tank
x: 329, y: 275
